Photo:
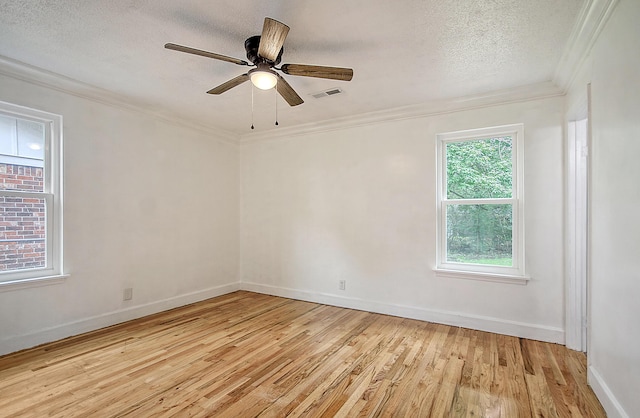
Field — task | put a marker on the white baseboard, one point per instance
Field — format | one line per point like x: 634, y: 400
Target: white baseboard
x: 12, y: 344
x: 481, y: 323
x: 609, y: 402
x: 489, y: 324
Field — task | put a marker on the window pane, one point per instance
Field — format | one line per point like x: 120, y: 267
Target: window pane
x: 480, y: 234
x: 21, y: 177
x: 8, y: 144
x: 479, y: 169
x: 30, y: 139
x: 22, y: 233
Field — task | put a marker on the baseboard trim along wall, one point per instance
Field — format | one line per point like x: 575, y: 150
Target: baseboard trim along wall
x: 16, y: 343
x: 481, y: 323
x: 609, y: 402
x: 489, y: 324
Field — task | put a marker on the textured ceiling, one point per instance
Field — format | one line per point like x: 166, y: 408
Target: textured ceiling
x: 403, y: 53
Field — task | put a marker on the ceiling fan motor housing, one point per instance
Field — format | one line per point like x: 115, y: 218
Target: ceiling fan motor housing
x: 251, y: 45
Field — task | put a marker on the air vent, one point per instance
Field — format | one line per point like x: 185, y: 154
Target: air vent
x: 330, y: 92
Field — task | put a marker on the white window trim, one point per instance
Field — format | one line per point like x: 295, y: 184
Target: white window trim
x: 516, y: 273
x: 53, y: 272
x: 12, y: 159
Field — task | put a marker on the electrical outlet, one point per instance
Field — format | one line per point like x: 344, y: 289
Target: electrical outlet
x: 342, y: 284
x: 127, y: 294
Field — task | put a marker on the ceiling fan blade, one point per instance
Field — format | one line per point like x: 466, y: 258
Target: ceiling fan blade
x: 333, y: 73
x: 207, y: 54
x: 229, y: 84
x: 273, y: 35
x: 287, y: 92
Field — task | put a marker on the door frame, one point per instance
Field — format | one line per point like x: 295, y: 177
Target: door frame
x: 576, y: 223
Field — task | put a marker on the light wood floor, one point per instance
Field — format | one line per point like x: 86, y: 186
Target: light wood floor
x: 246, y: 354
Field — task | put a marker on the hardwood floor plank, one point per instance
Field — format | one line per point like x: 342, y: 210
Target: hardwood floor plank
x: 443, y: 402
x: 246, y: 355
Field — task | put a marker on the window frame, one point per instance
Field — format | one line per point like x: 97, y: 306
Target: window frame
x: 516, y: 273
x: 52, y: 195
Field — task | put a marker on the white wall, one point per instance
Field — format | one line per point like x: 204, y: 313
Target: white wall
x: 358, y: 204
x: 155, y: 206
x: 613, y: 69
x: 148, y: 205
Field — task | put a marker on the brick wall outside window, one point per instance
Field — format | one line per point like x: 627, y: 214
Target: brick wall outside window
x: 22, y: 219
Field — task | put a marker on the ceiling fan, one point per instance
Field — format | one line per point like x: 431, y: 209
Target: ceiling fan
x: 265, y: 52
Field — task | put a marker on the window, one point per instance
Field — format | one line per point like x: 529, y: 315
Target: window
x: 30, y: 194
x: 480, y: 205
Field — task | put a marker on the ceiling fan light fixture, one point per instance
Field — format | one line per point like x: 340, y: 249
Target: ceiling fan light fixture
x: 263, y: 78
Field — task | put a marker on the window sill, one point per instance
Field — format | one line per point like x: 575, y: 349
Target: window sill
x: 487, y: 277
x: 18, y: 284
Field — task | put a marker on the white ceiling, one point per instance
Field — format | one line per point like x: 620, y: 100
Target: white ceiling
x: 403, y: 53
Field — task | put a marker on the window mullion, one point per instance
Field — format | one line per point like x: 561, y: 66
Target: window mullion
x: 493, y: 201
x: 23, y: 194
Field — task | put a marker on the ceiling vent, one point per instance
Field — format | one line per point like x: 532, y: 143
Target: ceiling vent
x: 330, y: 92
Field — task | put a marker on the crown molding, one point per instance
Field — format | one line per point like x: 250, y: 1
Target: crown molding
x: 34, y: 75
x: 591, y: 20
x: 514, y: 95
x: 48, y: 79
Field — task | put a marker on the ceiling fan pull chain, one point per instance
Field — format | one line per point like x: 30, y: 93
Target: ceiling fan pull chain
x: 276, y: 96
x: 252, y: 107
